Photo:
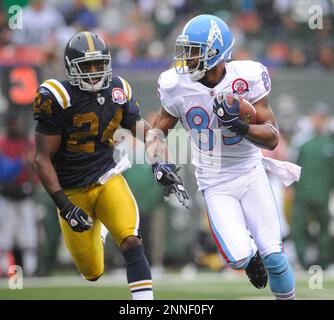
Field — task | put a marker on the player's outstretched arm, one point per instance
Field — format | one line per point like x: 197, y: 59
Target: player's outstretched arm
x: 140, y: 129
x: 155, y: 139
x: 264, y: 134
x: 165, y: 172
x: 46, y: 147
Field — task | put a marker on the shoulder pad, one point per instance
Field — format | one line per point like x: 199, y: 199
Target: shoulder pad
x: 168, y: 79
x: 59, y: 92
x: 247, y: 69
x: 126, y: 87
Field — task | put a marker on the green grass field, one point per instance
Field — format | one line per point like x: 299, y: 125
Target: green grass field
x: 171, y: 286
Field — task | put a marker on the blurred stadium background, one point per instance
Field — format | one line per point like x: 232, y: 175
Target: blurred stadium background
x: 141, y: 35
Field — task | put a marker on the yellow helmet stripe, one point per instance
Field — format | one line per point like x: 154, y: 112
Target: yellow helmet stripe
x: 59, y: 91
x: 90, y: 41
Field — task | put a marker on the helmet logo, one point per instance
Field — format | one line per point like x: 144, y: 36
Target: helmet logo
x: 215, y: 33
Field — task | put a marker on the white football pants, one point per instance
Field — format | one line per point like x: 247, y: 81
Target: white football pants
x: 242, y: 206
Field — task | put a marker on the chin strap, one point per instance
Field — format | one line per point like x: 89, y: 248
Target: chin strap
x: 197, y: 74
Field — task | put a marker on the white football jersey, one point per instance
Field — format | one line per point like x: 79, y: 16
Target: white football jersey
x: 218, y: 154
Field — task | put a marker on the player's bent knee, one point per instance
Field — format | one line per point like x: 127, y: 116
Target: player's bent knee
x: 130, y: 242
x: 276, y: 263
x: 240, y: 264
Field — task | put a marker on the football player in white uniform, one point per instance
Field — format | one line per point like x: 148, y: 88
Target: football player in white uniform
x: 230, y: 168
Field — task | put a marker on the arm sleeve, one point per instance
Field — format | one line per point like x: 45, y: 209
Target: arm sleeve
x: 260, y: 84
x: 48, y: 113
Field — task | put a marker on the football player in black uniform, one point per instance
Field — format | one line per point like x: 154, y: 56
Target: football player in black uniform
x: 76, y: 120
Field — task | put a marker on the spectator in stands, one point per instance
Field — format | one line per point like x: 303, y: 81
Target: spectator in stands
x: 295, y: 17
x: 17, y: 208
x: 307, y: 127
x: 9, y: 169
x: 316, y: 157
x: 326, y: 58
x: 276, y: 54
x: 77, y: 13
x: 41, y: 23
x: 270, y: 19
x: 296, y: 57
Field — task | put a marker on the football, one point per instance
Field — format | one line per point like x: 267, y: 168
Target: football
x: 247, y: 111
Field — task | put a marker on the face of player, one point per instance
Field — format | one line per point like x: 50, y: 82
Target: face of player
x: 192, y: 55
x: 90, y: 67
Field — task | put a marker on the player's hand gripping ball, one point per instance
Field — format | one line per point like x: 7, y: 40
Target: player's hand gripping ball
x: 247, y: 112
x: 234, y: 113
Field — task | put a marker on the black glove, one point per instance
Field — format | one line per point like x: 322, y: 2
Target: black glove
x: 166, y: 175
x: 77, y: 219
x: 228, y: 114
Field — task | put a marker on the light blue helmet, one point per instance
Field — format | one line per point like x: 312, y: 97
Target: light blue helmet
x: 206, y: 38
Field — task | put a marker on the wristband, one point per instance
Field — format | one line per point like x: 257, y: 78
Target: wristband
x: 59, y: 199
x: 241, y: 128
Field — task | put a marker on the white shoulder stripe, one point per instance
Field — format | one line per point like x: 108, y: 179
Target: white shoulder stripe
x: 126, y: 88
x: 62, y: 88
x: 54, y: 92
x: 58, y: 91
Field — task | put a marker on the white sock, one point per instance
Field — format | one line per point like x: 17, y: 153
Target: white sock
x: 141, y: 290
x: 145, y: 295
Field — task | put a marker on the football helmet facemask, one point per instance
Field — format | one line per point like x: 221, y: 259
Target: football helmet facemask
x: 88, y: 62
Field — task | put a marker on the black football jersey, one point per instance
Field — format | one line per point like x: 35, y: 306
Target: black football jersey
x: 86, y: 121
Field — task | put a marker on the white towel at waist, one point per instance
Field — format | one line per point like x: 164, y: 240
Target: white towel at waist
x: 120, y: 167
x: 288, y: 172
